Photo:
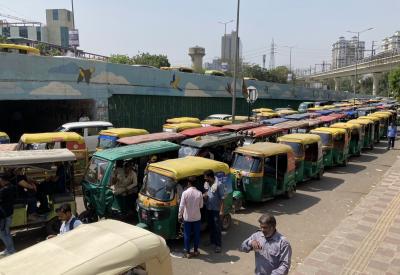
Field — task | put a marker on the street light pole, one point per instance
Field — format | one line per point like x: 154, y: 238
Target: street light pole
x: 235, y: 65
x: 355, y: 73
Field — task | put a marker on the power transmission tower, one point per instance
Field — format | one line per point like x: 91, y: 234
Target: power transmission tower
x: 272, y: 56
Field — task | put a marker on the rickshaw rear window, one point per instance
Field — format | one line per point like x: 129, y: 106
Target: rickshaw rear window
x: 325, y: 138
x: 185, y: 151
x: 247, y: 163
x: 158, y: 187
x: 106, y: 142
x: 96, y: 170
x: 297, y: 148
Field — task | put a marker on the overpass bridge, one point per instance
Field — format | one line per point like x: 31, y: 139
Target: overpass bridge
x: 373, y: 66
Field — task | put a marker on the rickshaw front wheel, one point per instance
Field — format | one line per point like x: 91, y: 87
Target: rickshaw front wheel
x: 290, y: 193
x: 226, y: 222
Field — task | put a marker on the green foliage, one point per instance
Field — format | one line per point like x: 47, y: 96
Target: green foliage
x: 3, y: 40
x: 394, y: 82
x: 120, y: 59
x: 278, y: 75
x: 151, y: 60
x: 46, y: 50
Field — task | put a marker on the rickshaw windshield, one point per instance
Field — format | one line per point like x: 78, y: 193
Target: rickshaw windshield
x: 106, y: 142
x: 297, y: 148
x: 248, y: 141
x: 326, y: 139
x: 185, y: 151
x: 158, y: 187
x: 95, y: 172
x: 339, y: 141
x: 247, y: 163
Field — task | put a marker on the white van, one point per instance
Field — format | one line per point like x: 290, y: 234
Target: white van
x: 88, y: 129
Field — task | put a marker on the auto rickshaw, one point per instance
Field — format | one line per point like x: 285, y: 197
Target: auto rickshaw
x: 56, y: 140
x: 176, y: 120
x: 262, y: 134
x: 284, y: 113
x: 4, y: 138
x: 335, y: 144
x: 179, y: 127
x: 108, y: 138
x: 165, y: 136
x: 105, y: 247
x: 355, y: 134
x: 215, y: 122
x: 158, y: 202
x: 240, y: 126
x: 307, y: 149
x: 363, y: 111
x: 273, y: 121
x: 368, y: 131
x: 219, y: 146
x: 263, y: 170
x: 377, y: 127
x: 38, y: 167
x: 328, y: 120
x: 289, y: 127
x: 261, y: 110
x: 266, y: 115
x: 189, y: 133
x: 98, y: 196
x: 384, y: 122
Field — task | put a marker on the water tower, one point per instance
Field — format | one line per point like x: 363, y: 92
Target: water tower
x: 197, y: 53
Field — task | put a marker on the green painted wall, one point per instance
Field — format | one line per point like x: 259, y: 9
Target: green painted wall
x: 150, y: 112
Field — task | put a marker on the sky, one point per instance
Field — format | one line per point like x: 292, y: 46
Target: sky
x: 172, y: 27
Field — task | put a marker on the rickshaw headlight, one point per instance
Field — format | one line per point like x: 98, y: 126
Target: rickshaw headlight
x: 156, y: 214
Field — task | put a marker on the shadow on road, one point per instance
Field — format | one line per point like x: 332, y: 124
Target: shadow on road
x: 351, y: 168
x: 363, y: 158
x: 325, y: 184
x: 27, y: 238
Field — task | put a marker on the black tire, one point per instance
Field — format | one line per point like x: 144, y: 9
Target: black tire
x: 237, y: 204
x: 290, y: 192
x: 53, y: 226
x: 88, y: 216
x: 226, y: 222
x: 320, y: 174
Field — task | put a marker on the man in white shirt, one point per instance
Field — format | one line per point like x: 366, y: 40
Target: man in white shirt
x: 189, y: 211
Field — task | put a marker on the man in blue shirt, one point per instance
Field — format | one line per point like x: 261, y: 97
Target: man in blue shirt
x: 272, y: 251
x: 392, y: 132
x: 214, y: 197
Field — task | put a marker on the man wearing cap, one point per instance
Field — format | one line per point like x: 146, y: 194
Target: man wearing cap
x: 69, y: 221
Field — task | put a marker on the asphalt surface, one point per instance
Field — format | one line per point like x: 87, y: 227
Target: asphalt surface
x: 306, y: 219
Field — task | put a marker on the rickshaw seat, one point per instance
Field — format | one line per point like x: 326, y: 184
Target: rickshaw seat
x: 60, y: 198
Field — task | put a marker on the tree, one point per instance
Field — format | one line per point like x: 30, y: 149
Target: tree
x: 3, y: 39
x: 394, y: 82
x: 254, y: 71
x: 120, y: 59
x: 280, y: 74
x: 151, y: 60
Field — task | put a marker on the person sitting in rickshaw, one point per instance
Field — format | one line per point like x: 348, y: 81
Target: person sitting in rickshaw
x: 124, y: 185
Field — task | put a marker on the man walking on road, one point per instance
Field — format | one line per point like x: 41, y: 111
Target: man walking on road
x: 392, y: 132
x: 214, y: 196
x: 189, y: 211
x: 272, y: 251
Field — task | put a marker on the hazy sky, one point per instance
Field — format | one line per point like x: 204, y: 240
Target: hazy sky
x: 171, y: 27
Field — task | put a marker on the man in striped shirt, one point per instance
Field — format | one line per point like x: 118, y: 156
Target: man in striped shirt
x: 189, y: 211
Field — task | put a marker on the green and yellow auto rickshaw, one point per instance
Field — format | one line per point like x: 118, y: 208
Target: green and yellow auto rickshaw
x: 368, y: 126
x: 377, y: 127
x: 108, y: 138
x: 307, y: 149
x: 99, y: 197
x: 179, y: 127
x: 384, y: 122
x: 4, y: 138
x: 335, y: 144
x: 355, y: 135
x: 262, y: 171
x: 158, y: 202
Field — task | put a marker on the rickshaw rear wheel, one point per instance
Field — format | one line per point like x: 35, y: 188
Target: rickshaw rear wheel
x: 53, y: 226
x: 226, y: 222
x: 320, y: 173
x: 290, y: 193
x: 344, y: 163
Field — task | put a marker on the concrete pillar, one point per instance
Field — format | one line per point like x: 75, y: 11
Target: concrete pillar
x: 337, y: 83
x: 197, y: 53
x: 375, y: 83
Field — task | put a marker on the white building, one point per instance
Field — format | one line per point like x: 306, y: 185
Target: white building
x: 345, y: 52
x: 391, y: 43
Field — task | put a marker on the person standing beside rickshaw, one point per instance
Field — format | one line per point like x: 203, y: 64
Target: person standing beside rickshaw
x: 214, y: 197
x: 392, y: 132
x: 189, y: 211
x: 7, y: 198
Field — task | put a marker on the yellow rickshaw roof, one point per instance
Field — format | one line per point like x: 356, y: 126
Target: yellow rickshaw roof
x: 182, y: 126
x: 361, y: 121
x: 327, y: 107
x: 287, y: 112
x: 52, y: 137
x: 264, y: 149
x: 315, y: 108
x: 300, y: 138
x: 333, y: 131
x: 268, y: 114
x: 373, y: 118
x: 188, y: 166
x: 183, y: 119
x: 216, y: 122
x: 240, y: 118
x: 380, y: 115
x: 20, y: 47
x: 261, y: 110
x: 2, y: 134
x: 123, y: 132
x: 345, y: 125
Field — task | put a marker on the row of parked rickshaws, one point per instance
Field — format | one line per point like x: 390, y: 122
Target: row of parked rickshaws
x: 255, y: 161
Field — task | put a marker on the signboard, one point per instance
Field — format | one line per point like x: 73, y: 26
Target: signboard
x: 73, y: 38
x: 252, y: 94
x: 224, y: 67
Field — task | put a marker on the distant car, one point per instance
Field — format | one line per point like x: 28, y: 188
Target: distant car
x: 219, y: 116
x: 88, y: 129
x: 305, y: 105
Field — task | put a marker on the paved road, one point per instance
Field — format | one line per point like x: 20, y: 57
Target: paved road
x: 306, y: 219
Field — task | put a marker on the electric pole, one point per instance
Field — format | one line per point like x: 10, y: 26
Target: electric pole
x: 272, y: 56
